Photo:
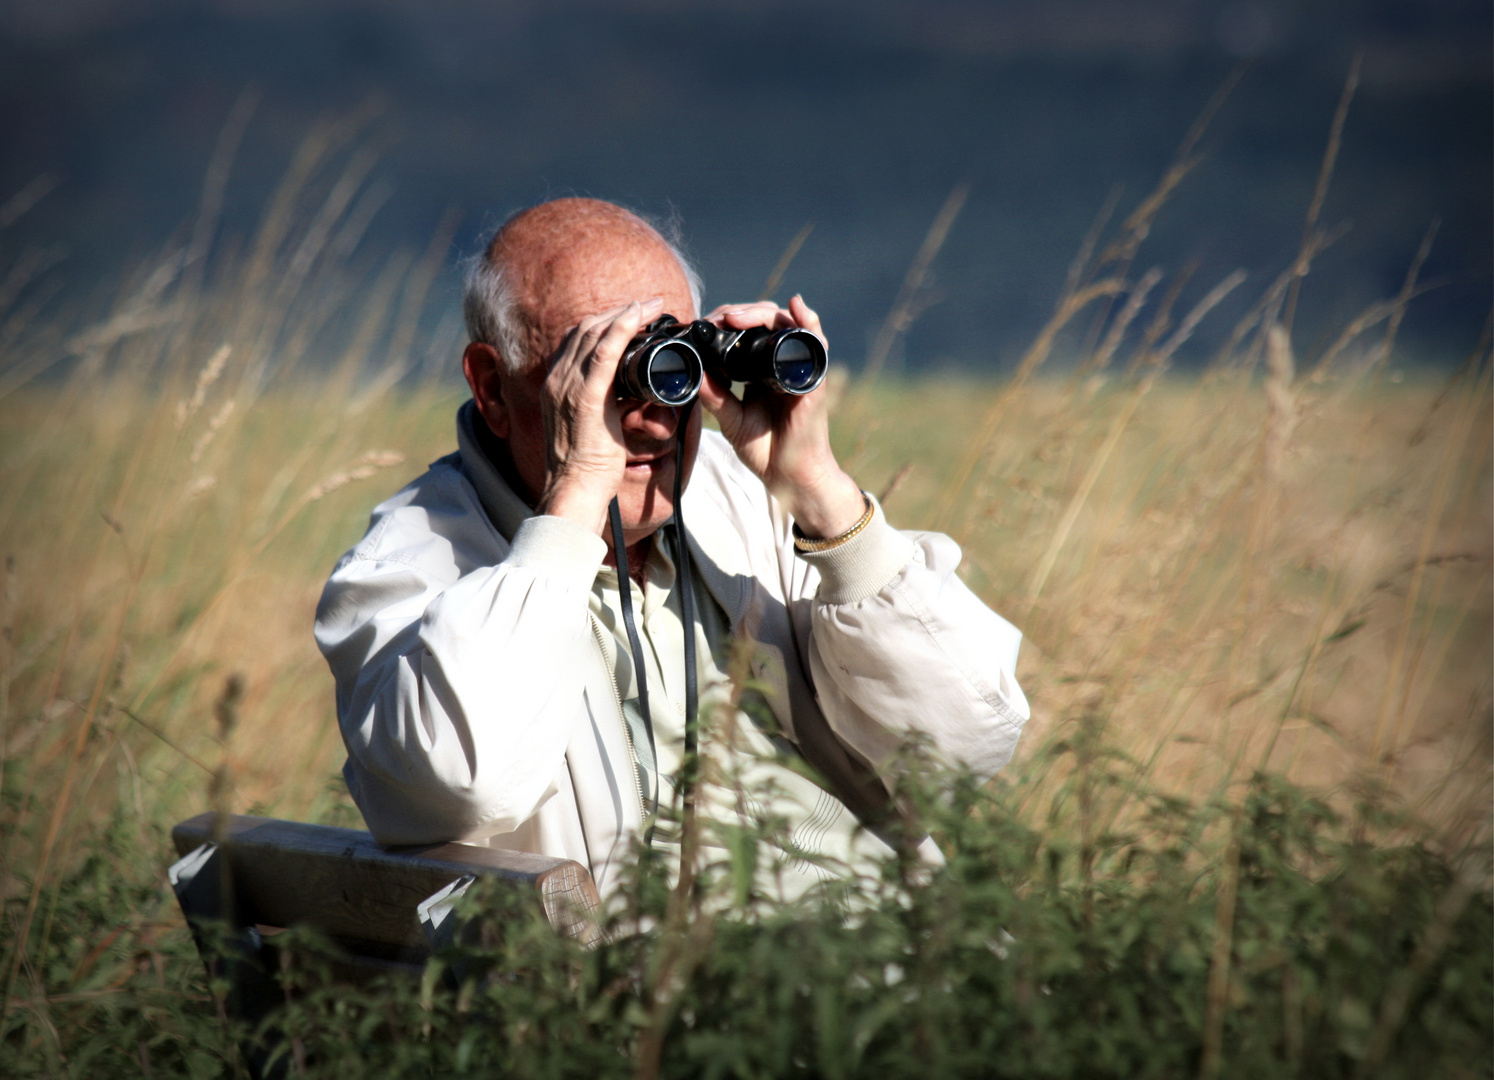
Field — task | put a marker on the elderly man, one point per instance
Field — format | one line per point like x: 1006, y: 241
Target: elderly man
x: 485, y: 685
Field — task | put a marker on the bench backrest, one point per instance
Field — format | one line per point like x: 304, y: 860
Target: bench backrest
x: 344, y: 884
x: 239, y: 878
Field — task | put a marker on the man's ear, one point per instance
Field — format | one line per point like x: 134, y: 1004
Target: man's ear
x: 484, y: 370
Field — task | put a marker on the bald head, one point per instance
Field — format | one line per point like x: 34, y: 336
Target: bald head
x: 552, y: 265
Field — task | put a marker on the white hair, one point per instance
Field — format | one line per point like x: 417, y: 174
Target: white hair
x: 491, y: 310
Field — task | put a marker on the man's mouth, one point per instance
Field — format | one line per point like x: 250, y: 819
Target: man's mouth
x: 650, y: 461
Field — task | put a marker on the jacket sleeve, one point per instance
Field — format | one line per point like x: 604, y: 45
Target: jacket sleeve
x: 899, y: 644
x: 454, y: 722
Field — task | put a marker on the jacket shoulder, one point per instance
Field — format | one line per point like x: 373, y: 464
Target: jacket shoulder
x: 435, y: 522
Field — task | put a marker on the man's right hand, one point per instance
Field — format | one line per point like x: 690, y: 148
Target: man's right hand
x: 587, y: 457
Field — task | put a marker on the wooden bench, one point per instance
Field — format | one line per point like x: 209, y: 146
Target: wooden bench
x: 240, y: 879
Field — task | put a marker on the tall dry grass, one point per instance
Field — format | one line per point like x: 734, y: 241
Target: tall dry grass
x: 1231, y: 579
x: 1281, y: 563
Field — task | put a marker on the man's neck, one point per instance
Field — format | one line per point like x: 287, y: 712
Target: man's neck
x: 637, y: 557
x: 496, y: 451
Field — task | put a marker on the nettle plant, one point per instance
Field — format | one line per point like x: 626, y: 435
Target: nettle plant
x: 1270, y: 933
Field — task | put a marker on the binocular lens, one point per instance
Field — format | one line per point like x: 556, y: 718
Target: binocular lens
x: 660, y: 366
x: 794, y: 365
x: 673, y: 373
x: 665, y: 363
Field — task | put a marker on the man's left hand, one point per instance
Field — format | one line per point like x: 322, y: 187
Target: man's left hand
x: 785, y: 439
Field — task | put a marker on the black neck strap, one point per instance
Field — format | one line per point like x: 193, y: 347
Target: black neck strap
x: 625, y: 598
x: 686, y: 578
x: 683, y: 576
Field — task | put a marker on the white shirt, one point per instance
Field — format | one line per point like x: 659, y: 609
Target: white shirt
x: 751, y: 776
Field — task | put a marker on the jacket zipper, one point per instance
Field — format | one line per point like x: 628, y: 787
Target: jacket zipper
x: 596, y: 632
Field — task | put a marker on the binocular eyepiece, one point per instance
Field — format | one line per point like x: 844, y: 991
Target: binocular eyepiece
x: 665, y: 363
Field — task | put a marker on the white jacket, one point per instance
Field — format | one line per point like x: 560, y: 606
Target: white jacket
x: 476, y: 705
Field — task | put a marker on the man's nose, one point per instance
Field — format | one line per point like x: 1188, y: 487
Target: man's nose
x: 650, y: 421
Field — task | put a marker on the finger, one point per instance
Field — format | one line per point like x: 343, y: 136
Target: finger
x: 805, y: 316
x: 588, y: 333
x: 575, y: 353
x: 715, y: 395
x: 743, y: 316
x: 648, y: 309
x: 721, y: 403
x: 590, y: 330
x: 577, y: 359
x: 615, y: 335
x: 756, y: 393
x: 721, y: 310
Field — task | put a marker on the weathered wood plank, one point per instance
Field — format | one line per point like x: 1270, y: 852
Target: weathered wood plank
x: 343, y: 883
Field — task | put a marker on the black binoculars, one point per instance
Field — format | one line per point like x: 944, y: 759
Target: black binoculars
x: 665, y: 362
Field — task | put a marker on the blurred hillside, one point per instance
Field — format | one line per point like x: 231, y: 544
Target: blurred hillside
x: 750, y: 119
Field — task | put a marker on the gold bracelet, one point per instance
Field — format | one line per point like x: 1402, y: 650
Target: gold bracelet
x: 803, y: 543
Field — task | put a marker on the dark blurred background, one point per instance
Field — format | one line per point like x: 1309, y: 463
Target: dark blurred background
x: 749, y: 118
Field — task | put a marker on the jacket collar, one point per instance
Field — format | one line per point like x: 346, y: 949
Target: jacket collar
x: 504, y: 507
x: 720, y: 557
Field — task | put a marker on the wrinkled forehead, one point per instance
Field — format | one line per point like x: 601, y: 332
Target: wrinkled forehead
x: 565, y: 267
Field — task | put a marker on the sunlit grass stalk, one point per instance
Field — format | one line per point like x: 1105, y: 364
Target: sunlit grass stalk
x: 790, y: 252
x: 906, y: 307
x: 1467, y: 820
x: 1076, y: 503
x: 358, y: 471
x: 62, y: 801
x: 1406, y: 717
x: 7, y: 659
x: 60, y: 806
x: 1325, y: 174
x: 991, y: 422
x: 1217, y: 1001
x: 1437, y: 505
x: 1118, y: 255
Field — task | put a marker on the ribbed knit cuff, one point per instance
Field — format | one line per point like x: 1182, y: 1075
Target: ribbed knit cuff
x: 558, y: 548
x: 864, y: 564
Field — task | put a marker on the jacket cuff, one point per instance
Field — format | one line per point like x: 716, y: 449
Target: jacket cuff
x: 558, y: 549
x: 862, y: 566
